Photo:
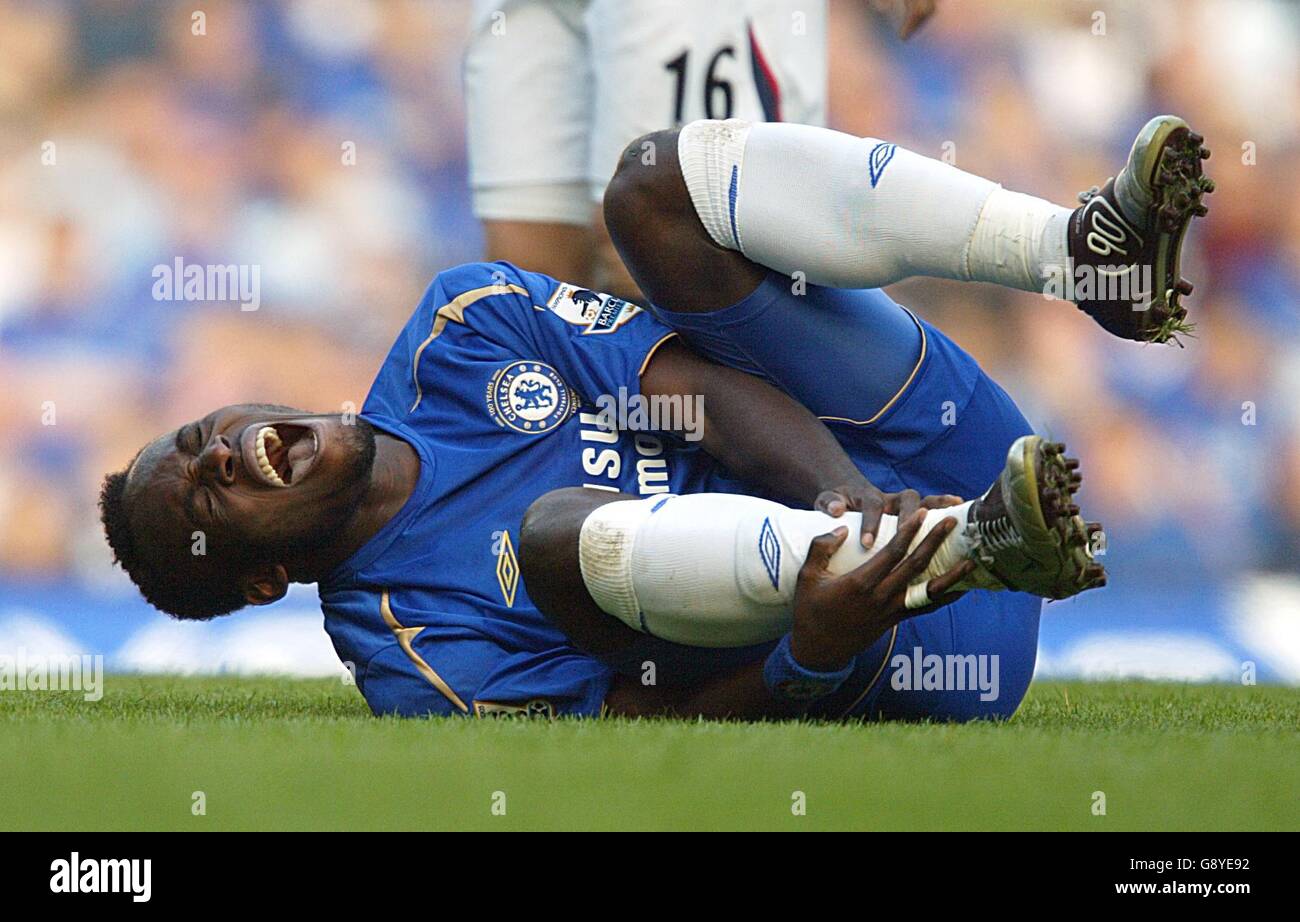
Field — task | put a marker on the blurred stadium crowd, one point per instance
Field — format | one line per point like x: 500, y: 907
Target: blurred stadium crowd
x: 127, y: 141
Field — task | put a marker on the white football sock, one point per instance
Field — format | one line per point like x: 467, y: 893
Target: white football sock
x: 1020, y: 241
x: 856, y: 212
x: 719, y: 570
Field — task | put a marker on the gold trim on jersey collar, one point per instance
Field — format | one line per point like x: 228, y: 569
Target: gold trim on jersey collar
x: 454, y: 310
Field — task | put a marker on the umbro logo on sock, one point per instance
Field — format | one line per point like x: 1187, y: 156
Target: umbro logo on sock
x: 879, y: 158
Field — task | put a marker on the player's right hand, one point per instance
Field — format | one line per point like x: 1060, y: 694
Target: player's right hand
x: 837, y: 617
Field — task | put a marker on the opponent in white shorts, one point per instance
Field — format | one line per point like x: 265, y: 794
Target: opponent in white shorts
x: 555, y: 90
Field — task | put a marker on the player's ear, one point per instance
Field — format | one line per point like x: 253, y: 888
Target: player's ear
x: 265, y: 585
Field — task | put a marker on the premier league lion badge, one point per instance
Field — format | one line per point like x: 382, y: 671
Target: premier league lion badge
x: 529, y: 397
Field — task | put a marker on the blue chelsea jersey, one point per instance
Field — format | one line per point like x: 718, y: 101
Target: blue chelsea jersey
x: 494, y: 382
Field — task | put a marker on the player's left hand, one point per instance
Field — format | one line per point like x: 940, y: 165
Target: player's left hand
x: 864, y: 497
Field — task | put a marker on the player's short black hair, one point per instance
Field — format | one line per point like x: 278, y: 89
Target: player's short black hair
x: 193, y: 596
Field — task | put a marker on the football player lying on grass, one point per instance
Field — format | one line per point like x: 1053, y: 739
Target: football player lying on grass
x: 661, y: 574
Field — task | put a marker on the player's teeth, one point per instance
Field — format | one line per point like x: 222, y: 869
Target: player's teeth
x: 264, y: 435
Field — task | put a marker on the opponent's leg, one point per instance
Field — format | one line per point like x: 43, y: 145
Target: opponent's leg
x: 555, y: 248
x: 527, y: 92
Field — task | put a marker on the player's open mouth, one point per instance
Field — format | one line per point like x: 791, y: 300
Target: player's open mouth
x: 280, y: 454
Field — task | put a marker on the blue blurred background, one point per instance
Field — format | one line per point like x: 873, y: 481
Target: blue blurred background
x: 126, y: 141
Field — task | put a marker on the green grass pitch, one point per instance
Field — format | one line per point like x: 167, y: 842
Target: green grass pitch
x: 284, y: 754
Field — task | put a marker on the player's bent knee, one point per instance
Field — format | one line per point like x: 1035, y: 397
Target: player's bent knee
x: 644, y: 186
x: 638, y: 164
x: 550, y: 566
x: 548, y: 535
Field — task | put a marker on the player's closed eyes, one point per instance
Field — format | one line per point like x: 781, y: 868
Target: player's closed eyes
x: 201, y: 505
x: 189, y: 439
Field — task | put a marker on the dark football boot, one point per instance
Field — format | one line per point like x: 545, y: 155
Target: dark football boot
x: 1129, y: 235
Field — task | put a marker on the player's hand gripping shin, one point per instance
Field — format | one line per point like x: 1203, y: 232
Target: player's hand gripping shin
x: 838, y: 616
x: 721, y: 570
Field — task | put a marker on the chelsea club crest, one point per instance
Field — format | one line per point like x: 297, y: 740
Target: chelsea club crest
x: 529, y: 397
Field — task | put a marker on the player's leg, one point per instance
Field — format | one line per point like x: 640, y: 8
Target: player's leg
x: 907, y: 403
x: 990, y: 637
x: 859, y: 212
x: 844, y: 357
x: 847, y: 355
x: 938, y: 424
x: 574, y: 553
x: 550, y: 564
x: 527, y: 91
x: 550, y: 561
x: 721, y: 570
